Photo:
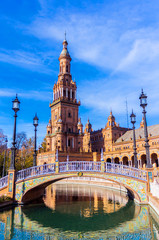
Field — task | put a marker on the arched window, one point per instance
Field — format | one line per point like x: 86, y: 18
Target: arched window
x: 66, y: 68
x: 69, y: 114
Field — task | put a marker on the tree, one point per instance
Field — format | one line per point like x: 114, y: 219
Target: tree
x: 24, y: 151
x: 42, y: 148
x: 2, y: 150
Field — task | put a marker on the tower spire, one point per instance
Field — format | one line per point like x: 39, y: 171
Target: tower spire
x: 65, y: 35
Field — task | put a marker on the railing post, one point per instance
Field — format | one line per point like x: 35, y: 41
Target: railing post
x: 11, y: 183
x: 102, y: 162
x: 150, y: 177
x: 67, y: 166
x: 57, y: 162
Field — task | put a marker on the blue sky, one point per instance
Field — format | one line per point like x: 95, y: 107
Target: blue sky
x: 114, y: 46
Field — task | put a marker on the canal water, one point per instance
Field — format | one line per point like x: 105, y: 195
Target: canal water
x: 74, y: 211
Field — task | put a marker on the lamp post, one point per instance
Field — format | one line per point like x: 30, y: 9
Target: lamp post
x: 35, y: 123
x: 133, y: 121
x: 143, y: 104
x: 16, y: 107
x: 5, y: 154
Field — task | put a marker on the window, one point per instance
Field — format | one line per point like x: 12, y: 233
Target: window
x: 69, y: 114
x: 69, y: 142
x: 69, y: 130
x: 66, y: 68
x: 64, y: 93
x: 48, y: 132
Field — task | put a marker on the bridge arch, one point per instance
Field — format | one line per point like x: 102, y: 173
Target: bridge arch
x: 31, y: 189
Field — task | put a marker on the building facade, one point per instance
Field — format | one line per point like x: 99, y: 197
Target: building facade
x: 65, y: 130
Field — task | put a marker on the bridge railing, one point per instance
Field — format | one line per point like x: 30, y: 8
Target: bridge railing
x: 79, y: 166
x: 82, y: 166
x: 126, y: 171
x: 36, y: 171
x: 3, y: 181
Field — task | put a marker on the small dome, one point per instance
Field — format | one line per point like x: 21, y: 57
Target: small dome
x: 64, y: 53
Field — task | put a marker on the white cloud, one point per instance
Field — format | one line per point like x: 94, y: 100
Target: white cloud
x: 36, y: 95
x: 121, y: 39
x: 24, y: 59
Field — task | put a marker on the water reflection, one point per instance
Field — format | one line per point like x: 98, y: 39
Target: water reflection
x: 87, y: 198
x: 79, y: 212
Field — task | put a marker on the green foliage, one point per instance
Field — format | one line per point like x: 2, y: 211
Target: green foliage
x: 24, y: 155
x: 42, y: 148
x: 4, y: 198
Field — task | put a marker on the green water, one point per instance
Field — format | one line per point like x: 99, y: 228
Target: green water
x: 79, y: 212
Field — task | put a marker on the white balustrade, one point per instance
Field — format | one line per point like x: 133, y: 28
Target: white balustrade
x: 3, y: 182
x: 77, y: 166
x: 126, y: 171
x: 35, y: 171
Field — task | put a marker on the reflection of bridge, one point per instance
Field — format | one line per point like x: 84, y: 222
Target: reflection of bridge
x: 30, y: 183
x: 14, y: 221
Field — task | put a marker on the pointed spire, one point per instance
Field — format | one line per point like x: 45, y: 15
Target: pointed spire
x: 65, y: 35
x: 65, y: 43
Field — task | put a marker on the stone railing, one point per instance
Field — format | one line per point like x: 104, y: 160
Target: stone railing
x: 77, y: 166
x: 126, y: 171
x: 3, y: 182
x: 35, y: 171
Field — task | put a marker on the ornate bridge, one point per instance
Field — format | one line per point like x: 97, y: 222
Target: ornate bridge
x: 31, y: 182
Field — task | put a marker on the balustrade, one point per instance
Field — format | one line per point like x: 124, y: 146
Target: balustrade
x: 3, y: 181
x: 35, y: 171
x: 77, y: 166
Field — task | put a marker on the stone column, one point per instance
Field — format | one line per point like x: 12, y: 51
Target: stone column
x: 67, y: 92
x: 71, y: 93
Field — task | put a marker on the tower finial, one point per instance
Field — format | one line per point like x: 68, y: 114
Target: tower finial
x: 65, y: 34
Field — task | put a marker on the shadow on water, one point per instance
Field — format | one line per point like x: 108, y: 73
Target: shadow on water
x: 75, y: 222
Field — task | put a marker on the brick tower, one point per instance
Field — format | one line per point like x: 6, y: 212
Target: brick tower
x: 62, y: 130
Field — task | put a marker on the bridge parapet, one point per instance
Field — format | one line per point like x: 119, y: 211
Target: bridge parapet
x: 82, y: 166
x: 35, y: 171
x: 3, y: 182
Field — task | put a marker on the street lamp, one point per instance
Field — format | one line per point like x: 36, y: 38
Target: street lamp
x: 133, y: 121
x: 143, y: 104
x: 35, y: 123
x: 5, y: 153
x: 16, y: 107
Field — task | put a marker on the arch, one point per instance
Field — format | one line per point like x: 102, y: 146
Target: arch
x: 132, y: 161
x: 116, y: 160
x: 154, y: 159
x: 125, y: 160
x: 143, y: 161
x: 108, y: 160
x: 39, y: 190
